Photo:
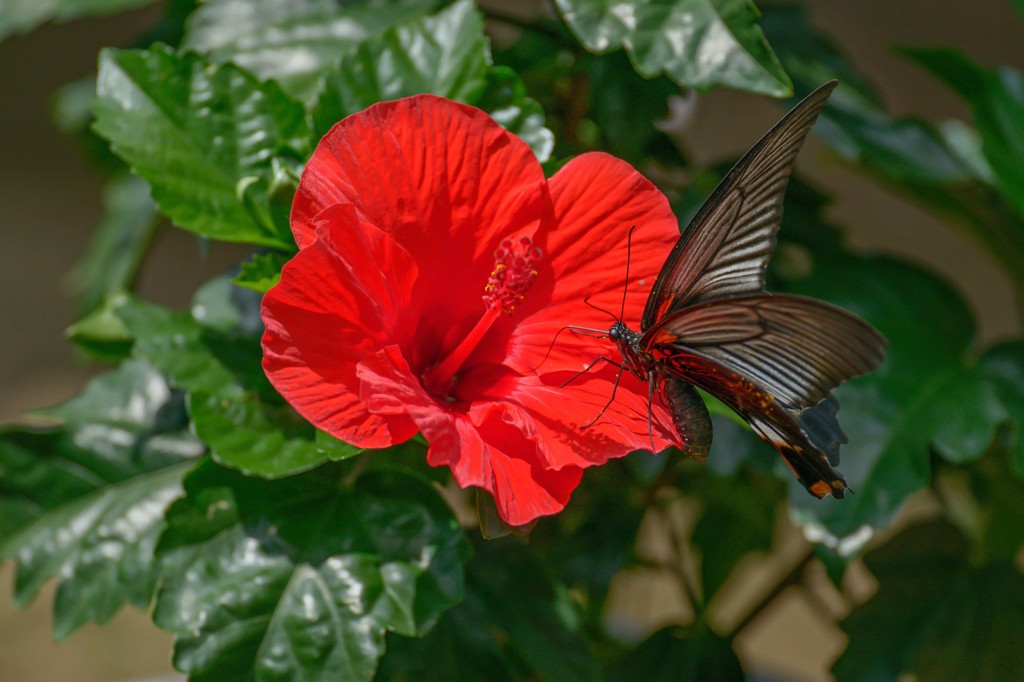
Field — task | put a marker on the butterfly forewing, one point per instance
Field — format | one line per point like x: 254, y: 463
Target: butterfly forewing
x: 708, y: 322
x: 725, y: 249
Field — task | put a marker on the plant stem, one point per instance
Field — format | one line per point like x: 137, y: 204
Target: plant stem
x: 687, y: 584
x: 794, y: 577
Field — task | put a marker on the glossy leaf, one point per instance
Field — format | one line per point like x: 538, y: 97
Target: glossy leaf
x: 308, y: 573
x: 213, y: 348
x: 935, y: 615
x: 177, y: 345
x: 119, y: 243
x: 505, y: 99
x: 910, y: 155
x: 955, y: 407
x: 700, y: 44
x: 186, y: 128
x: 853, y: 122
x: 294, y: 42
x: 997, y: 100
x: 268, y: 440
x: 445, y: 54
x: 90, y: 494
x: 515, y: 623
x: 21, y: 16
x: 930, y: 392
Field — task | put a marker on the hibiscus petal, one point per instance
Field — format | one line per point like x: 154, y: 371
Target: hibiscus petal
x: 597, y: 198
x: 445, y: 180
x: 481, y: 446
x: 337, y: 301
x: 552, y: 416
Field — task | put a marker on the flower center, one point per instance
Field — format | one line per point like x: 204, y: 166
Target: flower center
x: 512, y: 276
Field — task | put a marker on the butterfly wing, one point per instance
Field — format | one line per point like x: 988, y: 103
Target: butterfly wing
x: 726, y: 247
x: 775, y: 361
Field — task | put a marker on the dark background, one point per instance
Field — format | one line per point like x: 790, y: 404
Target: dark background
x: 50, y: 201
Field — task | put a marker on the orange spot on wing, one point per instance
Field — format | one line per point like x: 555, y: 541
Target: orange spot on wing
x: 820, y: 489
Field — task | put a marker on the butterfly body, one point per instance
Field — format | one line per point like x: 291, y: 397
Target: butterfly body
x: 708, y: 323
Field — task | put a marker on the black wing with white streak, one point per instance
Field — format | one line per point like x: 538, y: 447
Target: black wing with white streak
x: 725, y: 249
x: 796, y: 348
x: 775, y: 361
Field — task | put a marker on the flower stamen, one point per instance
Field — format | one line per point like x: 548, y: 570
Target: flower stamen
x: 513, y: 274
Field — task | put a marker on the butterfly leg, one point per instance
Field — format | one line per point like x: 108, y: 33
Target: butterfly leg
x: 650, y: 409
x: 615, y: 387
x: 589, y: 367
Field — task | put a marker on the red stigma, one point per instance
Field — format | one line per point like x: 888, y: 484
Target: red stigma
x: 513, y: 274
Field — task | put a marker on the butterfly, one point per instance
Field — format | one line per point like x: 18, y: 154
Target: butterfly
x: 708, y: 323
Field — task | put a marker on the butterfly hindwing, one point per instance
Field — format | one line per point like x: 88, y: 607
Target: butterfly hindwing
x: 809, y: 447
x: 726, y: 247
x: 797, y: 349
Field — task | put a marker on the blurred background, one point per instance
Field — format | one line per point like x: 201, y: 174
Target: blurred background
x: 50, y: 203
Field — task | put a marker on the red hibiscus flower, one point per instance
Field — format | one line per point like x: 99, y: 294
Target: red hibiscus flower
x: 436, y: 265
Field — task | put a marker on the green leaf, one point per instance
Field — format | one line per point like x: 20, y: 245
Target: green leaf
x: 259, y: 438
x: 676, y: 654
x: 294, y: 42
x: 119, y: 243
x: 221, y: 306
x: 261, y: 272
x: 893, y: 414
x: 446, y: 54
x: 21, y: 16
x: 932, y: 393
x: 212, y: 349
x: 191, y: 357
x: 505, y: 99
x: 625, y: 107
x: 997, y: 100
x: 700, y: 44
x: 187, y: 128
x: 935, y: 615
x: 300, y: 578
x: 102, y: 333
x: 514, y: 624
x: 1002, y: 367
x: 854, y: 123
x: 737, y: 510
x: 910, y: 155
x: 84, y: 502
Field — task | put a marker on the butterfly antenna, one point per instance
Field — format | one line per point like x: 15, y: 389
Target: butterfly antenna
x: 596, y: 333
x: 600, y: 310
x: 629, y: 257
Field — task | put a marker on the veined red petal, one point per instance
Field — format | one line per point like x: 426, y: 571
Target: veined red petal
x: 552, y: 416
x: 597, y: 199
x: 482, y: 445
x: 337, y: 301
x: 447, y: 182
